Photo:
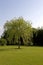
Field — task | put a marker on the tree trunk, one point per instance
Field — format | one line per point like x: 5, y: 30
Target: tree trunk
x: 19, y: 43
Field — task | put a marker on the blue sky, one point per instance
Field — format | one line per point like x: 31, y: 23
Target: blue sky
x: 29, y: 9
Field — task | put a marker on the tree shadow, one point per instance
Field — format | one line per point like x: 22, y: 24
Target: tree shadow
x: 17, y: 48
x: 10, y: 49
x: 3, y: 49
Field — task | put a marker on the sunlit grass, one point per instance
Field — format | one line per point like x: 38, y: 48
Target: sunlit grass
x: 10, y: 55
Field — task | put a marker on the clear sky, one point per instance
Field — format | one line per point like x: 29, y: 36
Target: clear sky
x: 29, y: 9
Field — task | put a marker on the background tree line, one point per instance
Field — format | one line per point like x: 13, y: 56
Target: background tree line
x: 20, y: 32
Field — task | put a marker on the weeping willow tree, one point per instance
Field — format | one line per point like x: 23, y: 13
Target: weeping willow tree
x: 17, y: 28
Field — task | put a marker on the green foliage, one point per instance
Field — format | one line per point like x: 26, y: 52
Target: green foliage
x: 18, y: 28
x: 3, y: 42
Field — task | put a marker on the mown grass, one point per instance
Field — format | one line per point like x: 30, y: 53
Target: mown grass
x: 10, y: 55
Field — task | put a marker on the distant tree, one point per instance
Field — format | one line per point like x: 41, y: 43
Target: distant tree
x: 34, y: 35
x: 17, y: 30
x: 39, y: 38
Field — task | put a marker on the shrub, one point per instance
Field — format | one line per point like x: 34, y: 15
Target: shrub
x: 3, y: 42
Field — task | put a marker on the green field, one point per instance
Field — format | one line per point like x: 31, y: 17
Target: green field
x: 10, y: 55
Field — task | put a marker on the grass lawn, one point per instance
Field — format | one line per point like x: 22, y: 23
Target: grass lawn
x: 10, y: 55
